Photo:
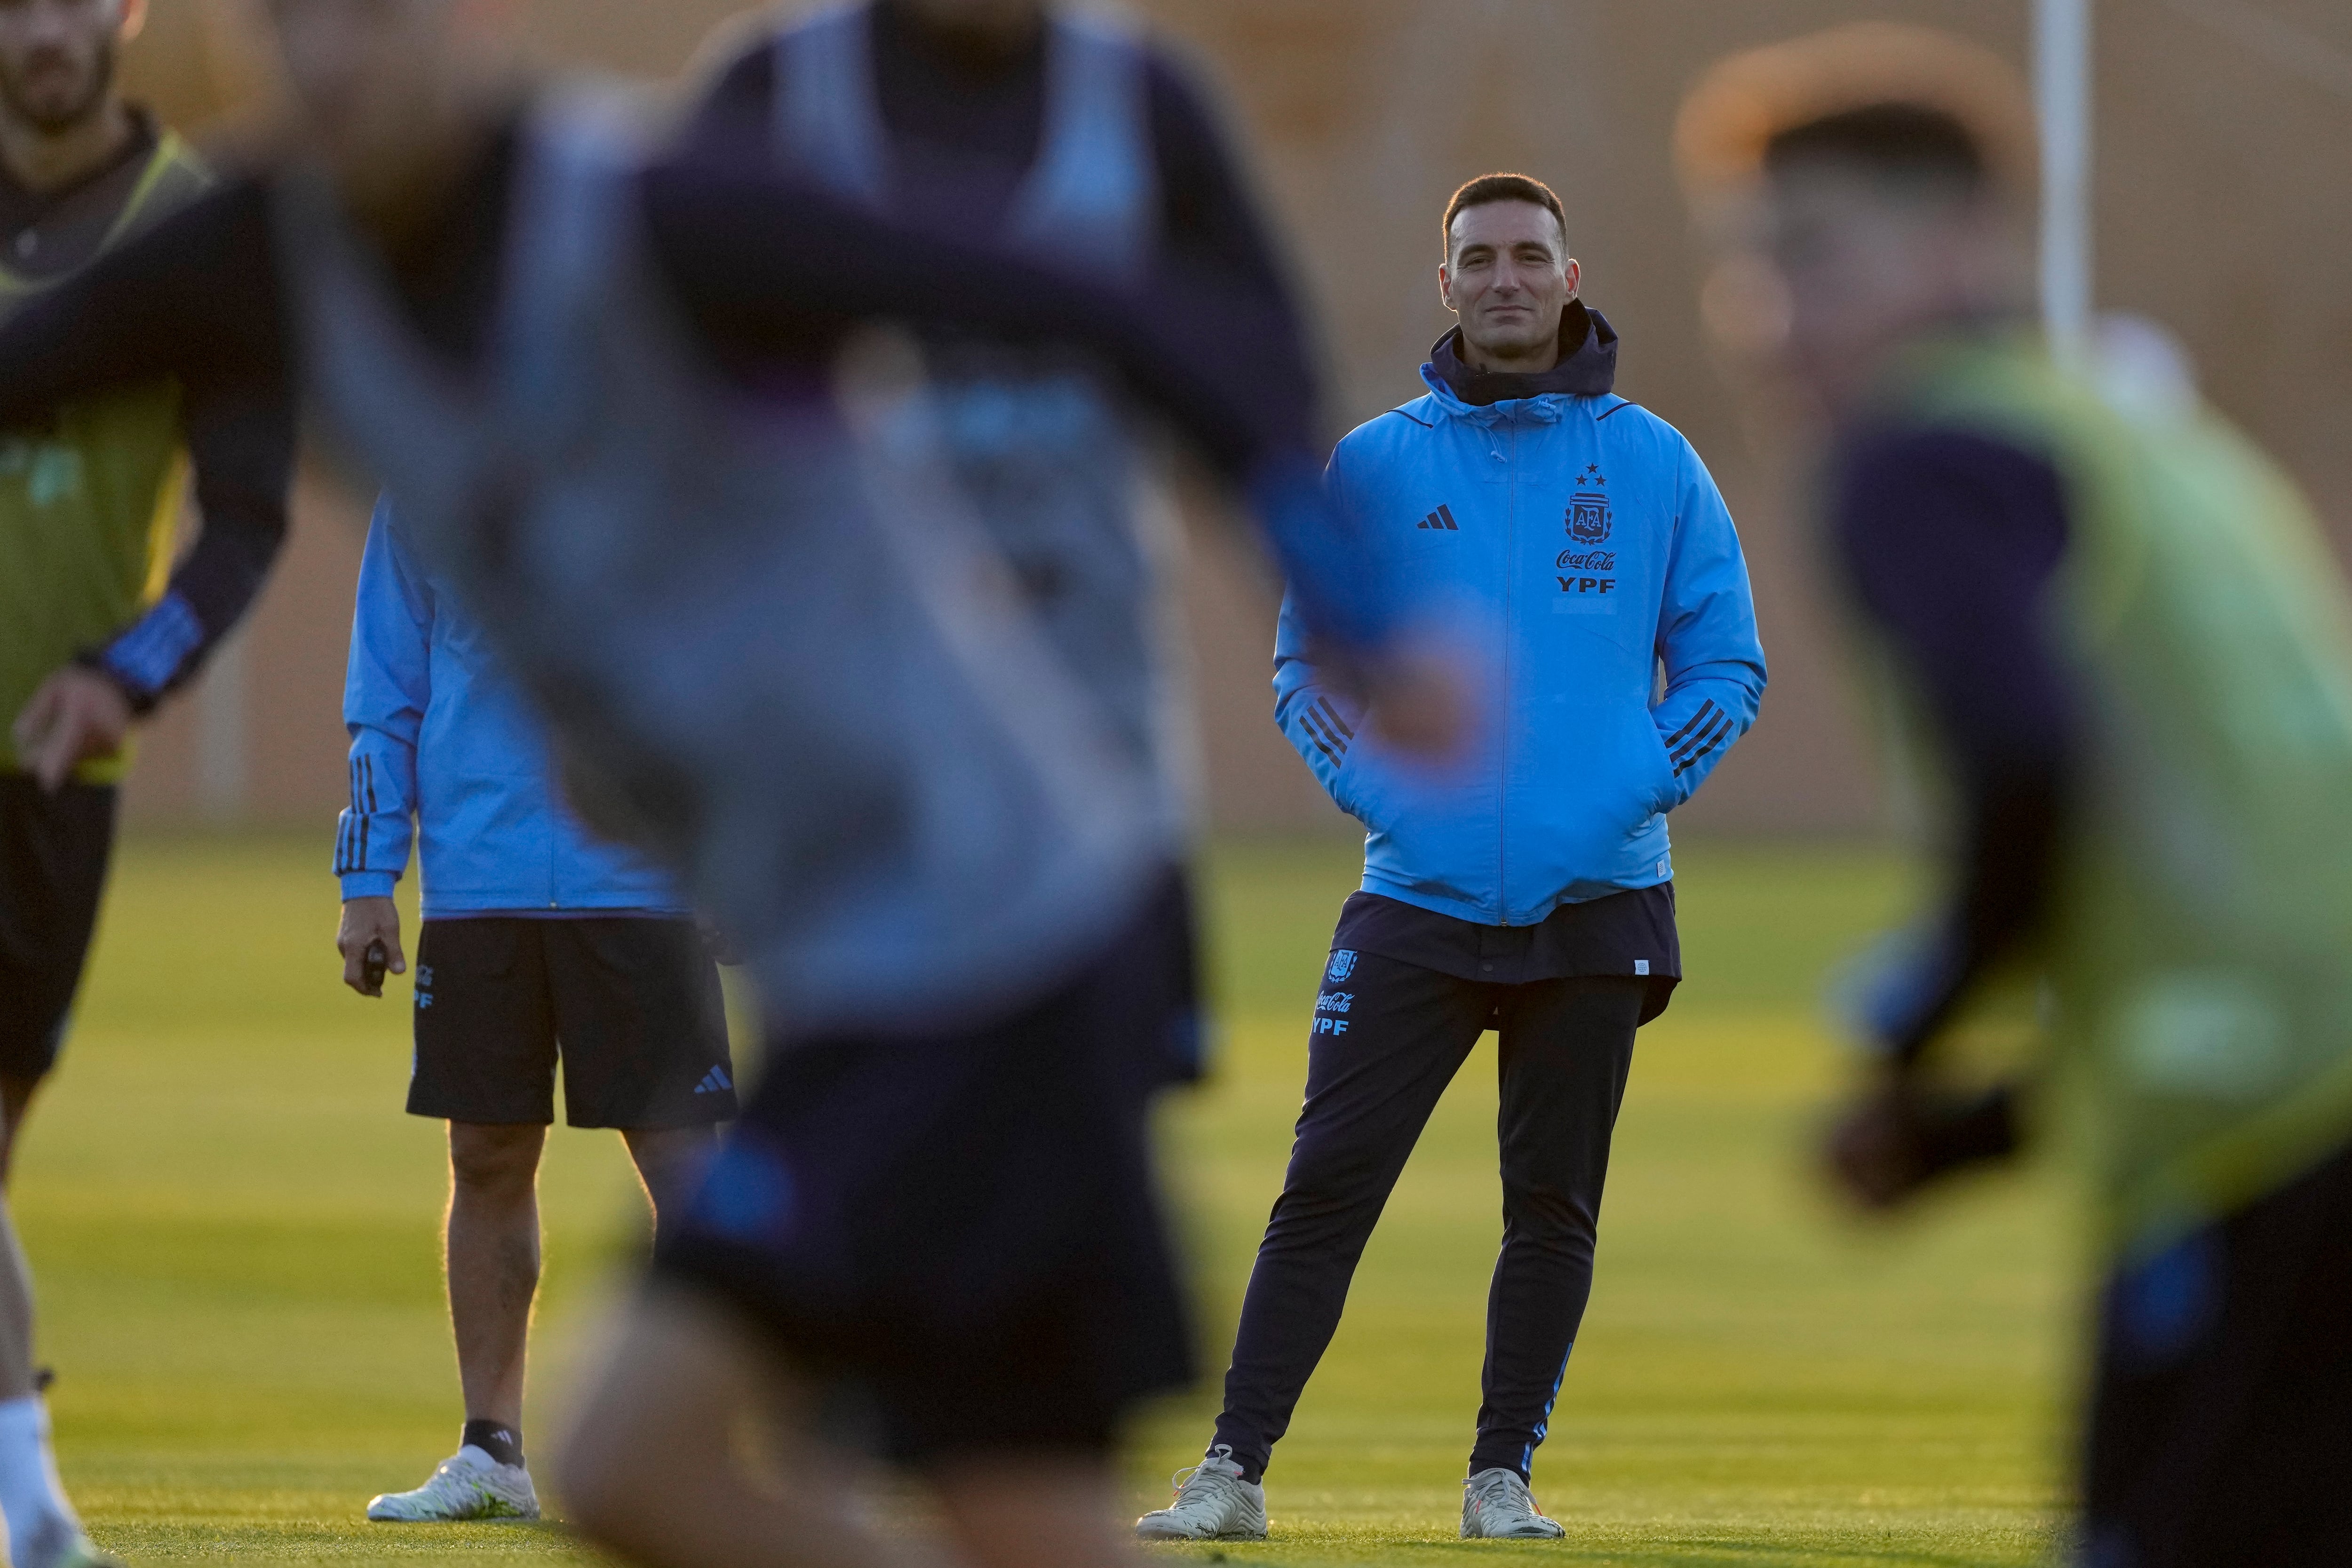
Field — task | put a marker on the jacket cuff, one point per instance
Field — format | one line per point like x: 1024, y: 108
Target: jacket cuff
x: 151, y: 655
x: 368, y: 884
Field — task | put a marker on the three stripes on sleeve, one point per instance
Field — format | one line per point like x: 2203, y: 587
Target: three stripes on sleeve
x: 1707, y: 729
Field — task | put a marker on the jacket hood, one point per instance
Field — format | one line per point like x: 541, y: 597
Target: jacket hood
x: 1587, y: 367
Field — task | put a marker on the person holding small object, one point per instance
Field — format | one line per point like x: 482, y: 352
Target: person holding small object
x: 538, y: 946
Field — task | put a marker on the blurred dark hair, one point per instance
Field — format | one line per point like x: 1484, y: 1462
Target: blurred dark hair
x: 1909, y: 143
x: 1487, y: 189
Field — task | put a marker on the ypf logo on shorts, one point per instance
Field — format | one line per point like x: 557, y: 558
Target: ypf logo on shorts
x: 424, y: 986
x: 1342, y: 964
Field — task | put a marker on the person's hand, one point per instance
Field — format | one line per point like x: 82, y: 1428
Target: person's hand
x: 1900, y: 1136
x: 1874, y: 1152
x: 1420, y: 703
x: 365, y: 920
x: 76, y: 715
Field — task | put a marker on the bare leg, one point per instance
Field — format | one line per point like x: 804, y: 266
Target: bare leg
x: 1035, y: 1511
x: 41, y: 1525
x: 652, y: 1469
x: 492, y: 1248
x: 670, y: 1160
x: 15, y: 1274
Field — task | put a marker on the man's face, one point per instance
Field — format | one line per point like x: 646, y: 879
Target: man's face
x: 56, y: 58
x: 356, y: 70
x: 1508, y: 276
x: 376, y: 84
x: 1852, y: 268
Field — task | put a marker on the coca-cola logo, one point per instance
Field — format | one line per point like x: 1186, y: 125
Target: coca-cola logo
x: 1587, y: 561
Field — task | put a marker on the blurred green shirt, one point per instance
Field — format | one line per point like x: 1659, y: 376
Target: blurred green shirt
x: 88, y: 507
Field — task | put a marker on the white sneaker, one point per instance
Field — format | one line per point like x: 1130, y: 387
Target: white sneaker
x: 1213, y: 1503
x: 1497, y: 1505
x: 469, y: 1484
x: 59, y: 1544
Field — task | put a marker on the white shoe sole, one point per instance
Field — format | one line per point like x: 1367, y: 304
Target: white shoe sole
x: 1228, y: 1535
x: 1519, y: 1535
x: 503, y: 1513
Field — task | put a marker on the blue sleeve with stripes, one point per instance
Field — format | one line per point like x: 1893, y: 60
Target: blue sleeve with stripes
x: 386, y: 687
x: 1316, y: 723
x: 1706, y: 636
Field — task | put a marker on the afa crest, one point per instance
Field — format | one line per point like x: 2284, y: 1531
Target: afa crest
x: 1342, y: 964
x: 1588, y: 519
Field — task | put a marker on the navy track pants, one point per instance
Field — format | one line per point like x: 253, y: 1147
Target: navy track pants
x: 1386, y: 1042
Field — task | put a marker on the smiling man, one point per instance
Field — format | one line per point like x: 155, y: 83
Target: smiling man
x: 1529, y: 892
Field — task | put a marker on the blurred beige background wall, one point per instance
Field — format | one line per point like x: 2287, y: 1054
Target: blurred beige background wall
x: 2223, y: 153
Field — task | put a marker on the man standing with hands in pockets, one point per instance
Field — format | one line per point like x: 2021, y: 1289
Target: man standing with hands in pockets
x: 1588, y: 553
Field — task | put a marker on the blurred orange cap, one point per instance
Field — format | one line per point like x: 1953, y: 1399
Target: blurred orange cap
x: 1743, y: 102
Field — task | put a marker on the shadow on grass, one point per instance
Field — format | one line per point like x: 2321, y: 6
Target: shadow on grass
x: 311, y: 1541
x: 1662, y: 1551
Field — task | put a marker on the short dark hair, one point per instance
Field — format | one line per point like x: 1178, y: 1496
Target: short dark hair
x: 1487, y: 189
x: 1909, y: 143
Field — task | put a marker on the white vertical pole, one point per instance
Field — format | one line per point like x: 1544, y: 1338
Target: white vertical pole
x: 2062, y: 91
x: 221, y: 738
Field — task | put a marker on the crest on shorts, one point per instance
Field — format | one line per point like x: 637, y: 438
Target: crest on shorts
x: 1342, y: 964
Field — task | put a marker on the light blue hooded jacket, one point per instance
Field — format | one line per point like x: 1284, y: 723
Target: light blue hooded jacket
x: 1598, y: 588
x: 445, y: 751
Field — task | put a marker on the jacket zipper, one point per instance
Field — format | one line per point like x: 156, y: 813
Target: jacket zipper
x: 1510, y: 612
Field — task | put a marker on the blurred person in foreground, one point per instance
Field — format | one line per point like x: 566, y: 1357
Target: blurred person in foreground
x: 1080, y: 142
x: 96, y: 622
x: 2123, y: 654
x: 1586, y: 557
x: 537, y: 944
x: 629, y: 406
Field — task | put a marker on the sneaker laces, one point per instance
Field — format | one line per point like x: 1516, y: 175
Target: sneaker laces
x: 1498, y: 1486
x: 1199, y: 1480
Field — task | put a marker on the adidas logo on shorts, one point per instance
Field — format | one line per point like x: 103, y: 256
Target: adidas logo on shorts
x: 714, y: 1081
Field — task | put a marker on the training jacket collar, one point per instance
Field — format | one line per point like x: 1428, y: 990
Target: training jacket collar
x: 1587, y: 367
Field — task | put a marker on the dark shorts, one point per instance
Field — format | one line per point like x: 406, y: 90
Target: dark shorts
x: 964, y: 1231
x: 630, y: 1006
x: 53, y: 856
x: 2221, y: 1431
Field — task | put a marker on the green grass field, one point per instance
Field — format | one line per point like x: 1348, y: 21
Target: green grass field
x: 235, y: 1232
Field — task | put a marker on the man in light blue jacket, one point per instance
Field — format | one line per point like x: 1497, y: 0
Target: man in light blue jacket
x: 1598, y: 580
x: 538, y: 945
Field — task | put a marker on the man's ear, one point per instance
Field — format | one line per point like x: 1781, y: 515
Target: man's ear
x: 1575, y: 277
x: 133, y: 21
x: 1446, y: 284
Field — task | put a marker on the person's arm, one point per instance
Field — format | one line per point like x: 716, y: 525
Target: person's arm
x: 757, y: 261
x: 193, y: 300
x: 1209, y: 216
x: 1918, y: 512
x: 387, y: 688
x: 241, y: 444
x: 1319, y: 723
x: 1706, y: 638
